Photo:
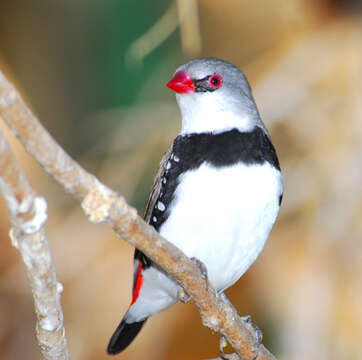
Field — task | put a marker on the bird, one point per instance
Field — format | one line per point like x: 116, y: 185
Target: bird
x: 217, y: 191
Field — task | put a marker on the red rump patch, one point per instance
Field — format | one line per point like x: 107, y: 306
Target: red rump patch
x: 139, y: 281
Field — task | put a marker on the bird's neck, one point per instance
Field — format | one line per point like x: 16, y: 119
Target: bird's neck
x: 212, y: 117
x: 215, y: 123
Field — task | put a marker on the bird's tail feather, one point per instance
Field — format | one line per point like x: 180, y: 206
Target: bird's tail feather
x: 123, y: 336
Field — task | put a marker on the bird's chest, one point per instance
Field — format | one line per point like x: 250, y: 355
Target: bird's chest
x: 223, y: 215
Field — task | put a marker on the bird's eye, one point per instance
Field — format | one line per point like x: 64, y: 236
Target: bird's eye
x: 215, y: 81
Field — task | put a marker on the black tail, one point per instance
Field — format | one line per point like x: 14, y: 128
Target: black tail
x: 123, y: 336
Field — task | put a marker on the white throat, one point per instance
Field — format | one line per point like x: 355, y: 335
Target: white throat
x: 210, y: 115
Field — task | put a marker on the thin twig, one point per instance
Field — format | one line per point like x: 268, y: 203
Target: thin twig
x: 102, y: 204
x: 27, y: 213
x: 181, y: 13
x: 188, y: 15
x: 153, y: 38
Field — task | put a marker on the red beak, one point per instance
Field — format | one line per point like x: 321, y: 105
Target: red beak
x: 181, y: 83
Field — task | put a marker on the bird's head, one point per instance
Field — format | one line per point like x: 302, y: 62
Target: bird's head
x: 214, y: 96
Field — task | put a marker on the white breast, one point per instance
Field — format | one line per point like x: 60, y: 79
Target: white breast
x: 223, y: 217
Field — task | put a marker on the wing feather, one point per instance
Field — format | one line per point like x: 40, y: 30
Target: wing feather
x: 140, y: 259
x: 155, y: 192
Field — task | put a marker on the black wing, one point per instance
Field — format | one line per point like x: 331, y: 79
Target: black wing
x: 155, y: 192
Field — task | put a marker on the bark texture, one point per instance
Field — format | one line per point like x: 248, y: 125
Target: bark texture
x: 28, y: 213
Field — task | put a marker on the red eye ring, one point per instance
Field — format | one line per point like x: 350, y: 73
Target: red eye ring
x: 215, y: 81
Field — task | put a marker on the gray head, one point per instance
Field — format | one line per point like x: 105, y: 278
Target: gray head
x: 214, y: 96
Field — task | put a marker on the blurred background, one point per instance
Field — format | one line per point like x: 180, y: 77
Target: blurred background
x: 95, y: 71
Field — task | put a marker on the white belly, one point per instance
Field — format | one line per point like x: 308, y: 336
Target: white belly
x: 223, y: 217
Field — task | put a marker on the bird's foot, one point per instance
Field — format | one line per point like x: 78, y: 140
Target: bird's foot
x: 202, y: 268
x: 222, y: 344
x: 247, y: 319
x: 183, y: 295
x: 258, y: 340
x: 258, y: 334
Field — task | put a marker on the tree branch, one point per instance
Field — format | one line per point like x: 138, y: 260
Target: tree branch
x: 102, y: 204
x: 27, y: 213
x: 233, y: 356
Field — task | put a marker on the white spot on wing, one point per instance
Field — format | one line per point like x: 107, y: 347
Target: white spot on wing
x: 176, y: 158
x: 168, y: 166
x: 161, y: 206
x: 154, y: 219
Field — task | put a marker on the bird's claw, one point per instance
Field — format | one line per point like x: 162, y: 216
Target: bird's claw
x: 258, y: 334
x: 183, y: 295
x: 258, y: 339
x: 202, y: 268
x: 222, y: 344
